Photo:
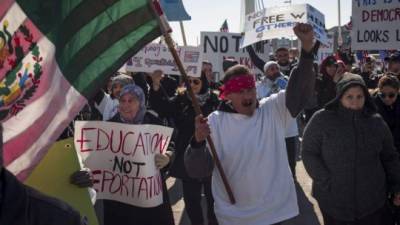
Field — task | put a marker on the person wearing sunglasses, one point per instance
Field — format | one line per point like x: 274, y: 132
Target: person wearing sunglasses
x: 180, y: 109
x: 388, y: 103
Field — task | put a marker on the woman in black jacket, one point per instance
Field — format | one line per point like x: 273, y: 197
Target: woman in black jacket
x: 181, y: 110
x: 349, y: 153
x: 388, y: 102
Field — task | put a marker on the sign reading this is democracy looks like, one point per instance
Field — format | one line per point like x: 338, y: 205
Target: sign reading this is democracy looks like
x: 158, y: 57
x: 217, y: 46
x: 121, y: 158
x: 278, y: 22
x: 376, y: 25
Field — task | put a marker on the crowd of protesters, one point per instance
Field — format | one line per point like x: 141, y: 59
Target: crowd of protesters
x: 350, y: 146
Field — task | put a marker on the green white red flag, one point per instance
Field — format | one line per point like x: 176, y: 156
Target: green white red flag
x: 54, y: 55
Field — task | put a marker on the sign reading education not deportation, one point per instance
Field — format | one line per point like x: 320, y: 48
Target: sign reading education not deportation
x: 158, y: 57
x: 376, y: 25
x: 278, y: 22
x: 121, y: 157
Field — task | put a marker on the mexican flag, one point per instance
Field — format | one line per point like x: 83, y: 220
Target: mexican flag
x: 54, y: 56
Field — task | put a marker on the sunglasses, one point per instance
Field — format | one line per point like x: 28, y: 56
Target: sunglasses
x: 195, y: 82
x: 389, y: 95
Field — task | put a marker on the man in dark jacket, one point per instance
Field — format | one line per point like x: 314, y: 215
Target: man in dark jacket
x: 22, y: 205
x: 281, y: 56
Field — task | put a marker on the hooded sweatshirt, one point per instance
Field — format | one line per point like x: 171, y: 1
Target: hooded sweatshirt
x: 350, y: 156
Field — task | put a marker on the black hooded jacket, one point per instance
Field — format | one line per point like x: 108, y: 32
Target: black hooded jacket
x: 350, y: 156
x: 391, y: 115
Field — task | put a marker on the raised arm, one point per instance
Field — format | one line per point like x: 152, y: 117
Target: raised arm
x: 302, y: 79
x: 257, y: 61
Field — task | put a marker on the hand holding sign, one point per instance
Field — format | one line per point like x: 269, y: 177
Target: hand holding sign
x: 82, y: 178
x: 305, y: 33
x: 161, y: 160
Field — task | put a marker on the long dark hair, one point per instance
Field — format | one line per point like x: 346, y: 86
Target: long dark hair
x: 205, y: 86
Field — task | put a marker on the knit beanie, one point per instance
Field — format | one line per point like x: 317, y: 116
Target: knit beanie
x: 349, y: 80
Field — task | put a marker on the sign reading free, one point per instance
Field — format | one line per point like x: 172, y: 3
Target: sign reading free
x: 278, y: 22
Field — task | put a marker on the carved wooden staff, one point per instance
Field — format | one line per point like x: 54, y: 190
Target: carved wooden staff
x: 170, y: 43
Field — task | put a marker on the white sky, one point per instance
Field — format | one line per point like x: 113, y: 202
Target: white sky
x: 208, y: 15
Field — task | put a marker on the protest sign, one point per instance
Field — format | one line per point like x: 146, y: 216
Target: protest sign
x: 277, y: 22
x: 376, y: 25
x: 121, y: 157
x: 325, y: 51
x: 158, y: 57
x: 216, y: 46
x: 52, y: 177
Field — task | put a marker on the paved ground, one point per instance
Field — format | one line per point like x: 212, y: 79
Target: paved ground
x: 309, y: 211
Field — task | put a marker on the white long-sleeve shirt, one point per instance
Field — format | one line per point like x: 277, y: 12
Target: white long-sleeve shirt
x: 252, y: 151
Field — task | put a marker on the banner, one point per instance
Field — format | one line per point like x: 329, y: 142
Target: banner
x: 121, y: 157
x: 278, y: 22
x: 158, y: 57
x: 216, y: 46
x: 52, y: 177
x: 375, y: 25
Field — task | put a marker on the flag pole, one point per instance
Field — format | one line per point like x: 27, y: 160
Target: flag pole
x: 170, y: 43
x: 183, y: 33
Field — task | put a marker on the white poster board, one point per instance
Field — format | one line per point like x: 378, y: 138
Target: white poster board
x: 121, y: 158
x: 216, y: 46
x: 376, y: 25
x: 278, y: 22
x: 158, y: 57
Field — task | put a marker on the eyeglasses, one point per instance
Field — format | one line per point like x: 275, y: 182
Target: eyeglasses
x: 384, y: 95
x: 193, y: 81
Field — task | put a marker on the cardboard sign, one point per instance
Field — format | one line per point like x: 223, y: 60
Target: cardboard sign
x: 216, y: 46
x: 121, y: 157
x: 278, y: 22
x: 158, y: 57
x: 376, y: 25
x: 52, y: 177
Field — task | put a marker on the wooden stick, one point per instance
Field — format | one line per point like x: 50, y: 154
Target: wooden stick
x: 165, y: 29
x: 197, y: 109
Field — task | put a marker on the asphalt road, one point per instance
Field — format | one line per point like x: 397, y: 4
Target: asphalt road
x: 309, y: 211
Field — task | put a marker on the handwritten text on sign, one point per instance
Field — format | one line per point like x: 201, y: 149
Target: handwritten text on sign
x: 158, y: 57
x: 376, y: 25
x: 278, y: 22
x: 217, y: 46
x: 121, y: 158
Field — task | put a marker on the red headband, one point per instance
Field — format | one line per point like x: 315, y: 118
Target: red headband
x: 237, y: 84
